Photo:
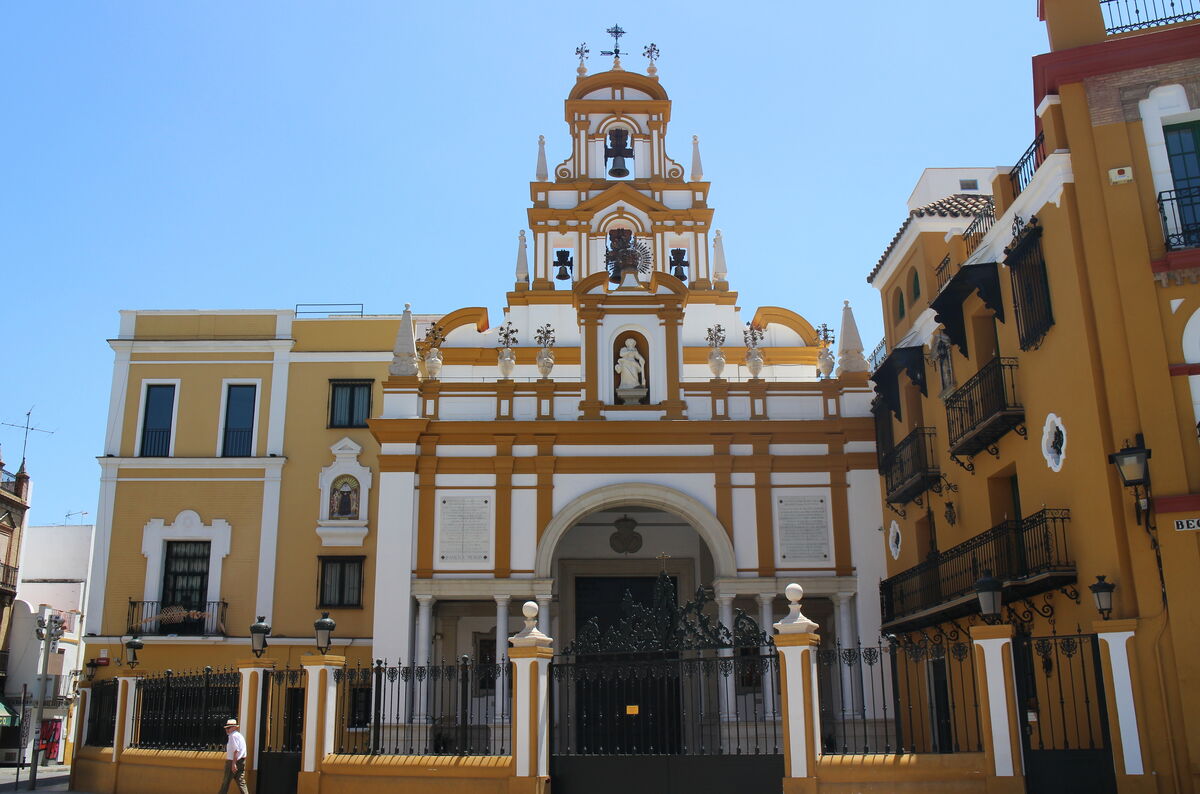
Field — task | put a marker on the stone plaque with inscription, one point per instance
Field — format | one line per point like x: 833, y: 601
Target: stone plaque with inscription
x: 465, y: 529
x: 803, y: 525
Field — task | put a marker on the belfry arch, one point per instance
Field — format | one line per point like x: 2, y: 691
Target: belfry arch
x: 660, y: 497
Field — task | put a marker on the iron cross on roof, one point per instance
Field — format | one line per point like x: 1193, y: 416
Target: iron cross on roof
x: 616, y: 32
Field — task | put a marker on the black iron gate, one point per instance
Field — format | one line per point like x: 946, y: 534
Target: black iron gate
x: 1063, y: 715
x: 281, y: 728
x: 666, y: 700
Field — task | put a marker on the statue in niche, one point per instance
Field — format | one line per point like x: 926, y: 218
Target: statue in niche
x: 343, y: 498
x: 631, y: 367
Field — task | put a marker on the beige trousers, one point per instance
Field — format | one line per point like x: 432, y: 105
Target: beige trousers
x: 239, y: 776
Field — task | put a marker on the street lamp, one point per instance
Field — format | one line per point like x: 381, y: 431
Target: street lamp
x: 133, y: 645
x: 324, y: 630
x: 1133, y: 466
x: 258, y: 636
x: 988, y: 589
x: 1102, y: 591
x: 91, y: 666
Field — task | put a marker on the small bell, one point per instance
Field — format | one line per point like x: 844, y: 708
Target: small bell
x: 679, y: 263
x: 618, y: 150
x: 564, y: 263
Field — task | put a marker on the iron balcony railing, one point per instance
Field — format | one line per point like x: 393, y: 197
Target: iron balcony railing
x: 8, y: 577
x: 984, y: 408
x: 155, y: 618
x: 877, y: 355
x: 1180, y: 212
x: 8, y: 482
x: 911, y: 466
x: 237, y: 443
x: 1122, y: 16
x: 1028, y: 557
x: 979, y: 227
x: 1022, y: 173
x: 156, y: 443
x: 944, y: 272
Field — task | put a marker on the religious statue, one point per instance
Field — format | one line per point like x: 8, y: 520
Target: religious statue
x: 631, y: 366
x: 626, y: 254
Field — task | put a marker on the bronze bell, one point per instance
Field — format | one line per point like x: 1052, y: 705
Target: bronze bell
x: 679, y: 263
x: 564, y: 263
x: 618, y: 150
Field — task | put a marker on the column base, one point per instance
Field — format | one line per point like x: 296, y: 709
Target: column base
x: 528, y: 785
x: 800, y: 785
x: 308, y: 783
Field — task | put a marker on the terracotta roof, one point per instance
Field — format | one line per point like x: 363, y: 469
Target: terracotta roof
x: 960, y: 205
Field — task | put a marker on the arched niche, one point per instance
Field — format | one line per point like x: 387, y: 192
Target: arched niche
x: 643, y: 348
x: 709, y: 527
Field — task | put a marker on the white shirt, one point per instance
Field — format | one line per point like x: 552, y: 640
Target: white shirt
x: 236, y: 749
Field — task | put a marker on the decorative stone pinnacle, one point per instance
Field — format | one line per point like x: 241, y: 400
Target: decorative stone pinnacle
x: 530, y: 637
x: 542, y: 173
x: 697, y: 167
x: 404, y: 353
x: 850, y: 349
x: 795, y: 622
x: 522, y: 258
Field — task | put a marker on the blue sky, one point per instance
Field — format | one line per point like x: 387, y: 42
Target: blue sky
x: 258, y: 155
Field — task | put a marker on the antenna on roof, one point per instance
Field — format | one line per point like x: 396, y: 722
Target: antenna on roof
x: 27, y: 428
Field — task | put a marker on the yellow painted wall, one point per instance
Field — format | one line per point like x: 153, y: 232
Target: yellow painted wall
x: 198, y: 325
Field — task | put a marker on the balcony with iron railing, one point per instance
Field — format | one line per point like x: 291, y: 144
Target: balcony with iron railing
x: 944, y: 272
x: 984, y: 408
x: 1124, y: 16
x: 911, y: 467
x: 237, y: 442
x: 1180, y: 213
x: 1028, y: 557
x: 155, y: 443
x: 155, y: 618
x: 1022, y: 173
x: 973, y: 236
x: 8, y: 578
x: 10, y: 483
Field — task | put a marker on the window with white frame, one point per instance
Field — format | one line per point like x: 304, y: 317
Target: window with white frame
x: 237, y: 434
x: 158, y: 418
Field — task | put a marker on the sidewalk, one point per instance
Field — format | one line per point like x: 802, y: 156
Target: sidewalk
x: 50, y: 778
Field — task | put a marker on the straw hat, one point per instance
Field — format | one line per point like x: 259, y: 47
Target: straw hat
x: 231, y: 723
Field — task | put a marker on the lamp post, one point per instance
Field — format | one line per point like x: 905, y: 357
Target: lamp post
x: 1133, y: 466
x: 324, y: 631
x: 1102, y: 591
x: 49, y: 631
x: 988, y: 590
x: 258, y: 636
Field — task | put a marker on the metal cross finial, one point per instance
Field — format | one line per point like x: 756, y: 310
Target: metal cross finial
x: 663, y: 556
x: 582, y: 52
x: 616, y: 32
x: 651, y: 52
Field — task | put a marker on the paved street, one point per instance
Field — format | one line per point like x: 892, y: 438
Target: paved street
x: 50, y: 778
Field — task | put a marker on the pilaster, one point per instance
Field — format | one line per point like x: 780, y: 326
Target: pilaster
x: 995, y: 684
x: 320, y: 708
x: 1120, y: 671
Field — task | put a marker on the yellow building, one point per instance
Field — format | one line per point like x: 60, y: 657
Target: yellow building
x: 1039, y: 319
x: 420, y: 476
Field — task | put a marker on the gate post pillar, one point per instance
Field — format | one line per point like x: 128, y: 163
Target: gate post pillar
x: 123, y: 729
x: 530, y: 657
x: 320, y: 708
x: 1119, y: 670
x: 250, y: 698
x: 996, y: 685
x: 796, y: 641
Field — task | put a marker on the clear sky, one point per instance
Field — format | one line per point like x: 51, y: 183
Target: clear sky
x: 258, y: 155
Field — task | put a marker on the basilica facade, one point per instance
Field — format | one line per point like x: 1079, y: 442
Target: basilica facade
x: 419, y: 476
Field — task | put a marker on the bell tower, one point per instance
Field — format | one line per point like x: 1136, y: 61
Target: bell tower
x: 617, y: 190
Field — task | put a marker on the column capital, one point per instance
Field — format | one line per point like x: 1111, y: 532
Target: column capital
x: 255, y: 664
x: 765, y: 598
x: 425, y: 599
x: 1115, y: 626
x: 502, y: 600
x: 322, y: 660
x: 1001, y: 631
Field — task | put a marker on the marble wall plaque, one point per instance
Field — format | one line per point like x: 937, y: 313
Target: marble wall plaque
x: 802, y: 521
x: 465, y: 529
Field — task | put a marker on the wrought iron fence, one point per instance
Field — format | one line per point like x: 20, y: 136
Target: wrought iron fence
x: 102, y: 714
x: 237, y: 443
x: 943, y: 272
x: 985, y: 219
x: 1121, y: 16
x: 1062, y: 695
x: 1022, y: 173
x: 151, y: 617
x: 912, y: 465
x: 1011, y: 551
x: 710, y: 702
x: 437, y: 709
x: 156, y: 443
x: 283, y: 710
x: 185, y: 712
x: 878, y: 355
x: 984, y: 408
x: 1180, y: 212
x: 901, y: 696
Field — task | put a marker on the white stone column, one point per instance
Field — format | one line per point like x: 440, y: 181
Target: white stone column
x: 1115, y: 634
x: 844, y: 626
x: 319, y: 724
x: 501, y: 628
x: 530, y: 654
x: 766, y: 616
x: 726, y: 691
x: 543, y: 602
x: 797, y: 641
x: 126, y: 700
x: 424, y: 639
x: 250, y: 700
x: 395, y: 528
x: 995, y: 645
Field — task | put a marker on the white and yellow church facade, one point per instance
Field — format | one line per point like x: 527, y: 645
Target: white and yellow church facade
x: 419, y: 476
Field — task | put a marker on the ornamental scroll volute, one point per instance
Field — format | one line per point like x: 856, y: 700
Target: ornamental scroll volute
x: 664, y: 626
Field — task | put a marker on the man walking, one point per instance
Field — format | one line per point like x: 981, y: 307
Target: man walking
x: 235, y: 758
